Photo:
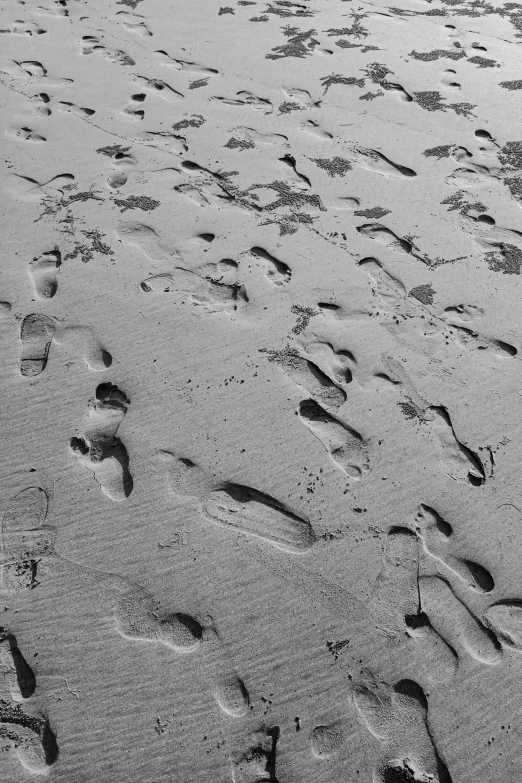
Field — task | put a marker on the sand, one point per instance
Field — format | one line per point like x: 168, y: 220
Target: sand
x: 260, y: 326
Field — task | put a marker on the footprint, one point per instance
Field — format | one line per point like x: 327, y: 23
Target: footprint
x: 81, y: 341
x: 462, y: 464
x: 434, y: 534
x: 135, y: 23
x: 239, y: 507
x: 306, y: 374
x: 277, y: 271
x: 36, y: 334
x: 398, y: 717
x: 295, y: 180
x: 43, y: 271
x: 338, y: 364
x: 504, y: 619
x: 326, y: 741
x: 469, y: 338
x: 80, y: 111
x: 184, y: 65
x: 213, y: 295
x: 346, y: 202
x: 372, y: 160
x: 131, y: 112
x: 389, y: 289
x: 465, y: 312
x: 242, y: 133
x: 33, y: 739
x: 24, y: 539
x: 454, y: 622
x: 160, y: 87
x: 433, y: 659
x: 315, y: 130
x: 396, y: 593
x: 25, y: 134
x: 346, y: 447
x: 258, y: 763
x: 228, y: 689
x: 385, y: 236
x: 17, y: 672
x: 137, y: 618
x: 99, y: 449
x: 147, y: 240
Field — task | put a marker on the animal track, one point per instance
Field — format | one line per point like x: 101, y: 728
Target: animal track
x: 346, y: 447
x: 435, y: 534
x: 306, y: 374
x: 398, y: 717
x: 277, y: 271
x: 239, y: 507
x: 385, y: 236
x: 99, y: 450
x: 36, y: 334
x: 43, y: 271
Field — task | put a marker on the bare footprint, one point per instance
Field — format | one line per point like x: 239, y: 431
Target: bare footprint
x: 36, y: 334
x: 372, y: 160
x: 33, y: 739
x: 277, y: 271
x: 306, y: 374
x: 213, y: 295
x: 147, y: 240
x: 327, y: 741
x: 99, y: 449
x: 16, y: 671
x: 455, y: 623
x: 462, y: 464
x: 43, y: 271
x: 238, y: 507
x: 338, y: 364
x: 389, y: 289
x: 398, y: 717
x: 385, y: 236
x: 435, y: 534
x: 396, y: 592
x: 346, y: 447
x: 504, y: 619
x: 81, y: 341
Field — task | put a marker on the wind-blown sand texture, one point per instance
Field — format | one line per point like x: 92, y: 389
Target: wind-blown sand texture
x: 260, y: 325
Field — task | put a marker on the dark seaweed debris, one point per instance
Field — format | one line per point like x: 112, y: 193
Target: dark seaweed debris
x: 115, y: 149
x: 442, y: 151
x: 334, y: 167
x: 301, y: 44
x: 145, y: 203
x: 424, y: 293
x: 516, y: 84
x: 508, y: 260
x: 436, y: 54
x: 241, y: 144
x: 196, y: 121
x: 374, y: 213
x: 337, y: 78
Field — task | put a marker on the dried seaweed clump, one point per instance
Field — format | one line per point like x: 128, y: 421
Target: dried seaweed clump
x: 196, y: 121
x: 285, y: 8
x: 374, y: 213
x: 301, y: 44
x: 432, y: 100
x: 287, y: 106
x: 241, y: 144
x: 334, y: 167
x: 436, y: 54
x: 377, y: 72
x: 198, y: 83
x: 145, y: 203
x: 337, y: 78
x: 457, y: 202
x: 509, y: 262
x: 483, y: 62
x: 442, y: 151
x: 424, y: 293
x: 516, y: 84
x: 226, y: 10
x: 370, y: 96
x: 115, y: 149
x: 511, y: 155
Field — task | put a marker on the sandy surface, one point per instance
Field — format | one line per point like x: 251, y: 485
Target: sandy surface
x: 260, y: 322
